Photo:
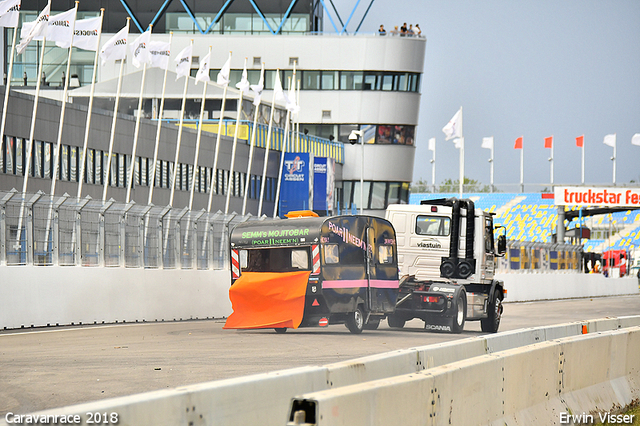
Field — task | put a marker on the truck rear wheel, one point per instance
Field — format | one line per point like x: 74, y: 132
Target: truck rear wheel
x: 355, y: 321
x: 373, y: 324
x: 492, y: 322
x: 457, y: 324
x: 281, y: 330
x: 395, y: 321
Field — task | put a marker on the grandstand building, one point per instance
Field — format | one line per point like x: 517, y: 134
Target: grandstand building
x: 347, y: 82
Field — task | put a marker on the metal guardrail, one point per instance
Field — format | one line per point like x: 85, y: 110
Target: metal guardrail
x: 37, y: 229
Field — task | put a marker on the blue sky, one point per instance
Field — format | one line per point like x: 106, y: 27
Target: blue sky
x: 524, y: 68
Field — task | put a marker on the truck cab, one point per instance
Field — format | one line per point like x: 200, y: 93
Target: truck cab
x: 447, y: 258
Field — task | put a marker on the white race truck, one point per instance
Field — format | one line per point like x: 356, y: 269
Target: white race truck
x: 447, y: 264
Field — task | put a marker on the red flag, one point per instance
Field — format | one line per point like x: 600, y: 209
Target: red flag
x: 548, y: 142
x: 580, y: 141
x: 518, y: 144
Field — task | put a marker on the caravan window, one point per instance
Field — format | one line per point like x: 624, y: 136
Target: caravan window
x: 331, y: 253
x: 432, y: 225
x: 285, y: 259
x: 385, y: 254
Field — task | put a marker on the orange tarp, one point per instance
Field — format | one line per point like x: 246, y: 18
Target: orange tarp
x: 268, y: 300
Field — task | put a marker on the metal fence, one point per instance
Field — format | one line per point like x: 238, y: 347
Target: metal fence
x: 37, y: 229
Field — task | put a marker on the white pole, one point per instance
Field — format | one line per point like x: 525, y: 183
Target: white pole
x: 522, y: 168
x: 8, y: 85
x: 433, y: 166
x: 136, y: 132
x: 461, y: 156
x: 582, y: 148
x: 491, y: 162
x: 614, y: 158
x: 551, y: 161
x: 107, y: 170
x: 152, y: 179
x: 362, y: 175
x: 91, y: 95
x: 284, y: 148
x: 233, y: 154
x: 214, y: 172
x: 266, y: 152
x: 198, y: 138
x: 179, y: 140
x: 251, y: 146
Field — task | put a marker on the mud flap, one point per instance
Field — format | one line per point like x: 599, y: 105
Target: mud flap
x: 268, y: 300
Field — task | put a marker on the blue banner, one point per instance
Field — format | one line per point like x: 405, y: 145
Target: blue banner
x: 296, y: 191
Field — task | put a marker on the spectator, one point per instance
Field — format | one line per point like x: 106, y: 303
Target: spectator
x: 24, y: 76
x: 403, y: 30
x: 410, y: 32
x: 417, y: 30
x: 381, y: 30
x: 395, y: 31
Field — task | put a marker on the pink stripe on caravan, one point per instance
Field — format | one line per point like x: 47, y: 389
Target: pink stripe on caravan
x: 360, y: 283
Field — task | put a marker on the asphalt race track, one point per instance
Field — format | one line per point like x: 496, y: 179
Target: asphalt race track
x: 53, y: 367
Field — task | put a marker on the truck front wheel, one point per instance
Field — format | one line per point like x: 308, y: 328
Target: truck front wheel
x: 460, y: 313
x: 492, y: 322
x: 355, y: 321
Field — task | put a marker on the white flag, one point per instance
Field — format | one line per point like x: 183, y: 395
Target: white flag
x: 279, y: 93
x: 291, y: 98
x: 610, y: 140
x: 160, y: 52
x: 223, y: 75
x: 635, y: 140
x: 116, y: 47
x: 258, y: 88
x: 203, y: 71
x: 183, y: 62
x: 453, y: 129
x: 140, y: 50
x: 487, y: 142
x: 9, y: 13
x: 243, y: 84
x: 87, y: 33
x: 36, y: 29
x: 60, y: 26
x: 432, y: 144
x: 457, y: 142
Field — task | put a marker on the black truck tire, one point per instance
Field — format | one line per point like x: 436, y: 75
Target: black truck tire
x: 355, y: 321
x: 457, y: 323
x: 492, y: 322
x: 281, y: 330
x: 373, y: 324
x: 395, y: 321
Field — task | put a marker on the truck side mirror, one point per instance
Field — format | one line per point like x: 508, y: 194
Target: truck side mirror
x: 502, y: 245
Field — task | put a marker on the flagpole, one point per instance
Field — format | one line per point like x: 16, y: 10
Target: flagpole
x: 8, y: 85
x: 179, y: 141
x: 251, y: 149
x: 198, y: 138
x: 107, y: 171
x: 433, y: 166
x: 491, y: 161
x: 136, y: 132
x: 551, y: 161
x: 615, y: 143
x: 284, y: 147
x: 461, y: 156
x: 214, y: 177
x: 90, y: 108
x: 522, y: 168
x: 582, y: 148
x: 152, y: 179
x: 266, y: 151
x: 233, y: 150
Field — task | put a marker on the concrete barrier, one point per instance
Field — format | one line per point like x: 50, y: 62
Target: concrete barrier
x: 35, y: 296
x: 544, y: 383
x: 265, y: 399
x: 522, y: 287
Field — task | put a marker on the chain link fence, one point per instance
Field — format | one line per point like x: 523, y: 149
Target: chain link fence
x: 41, y: 230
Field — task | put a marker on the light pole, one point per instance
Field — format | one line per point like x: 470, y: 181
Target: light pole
x: 353, y: 139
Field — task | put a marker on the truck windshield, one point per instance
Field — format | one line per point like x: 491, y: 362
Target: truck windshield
x: 432, y: 225
x: 285, y: 259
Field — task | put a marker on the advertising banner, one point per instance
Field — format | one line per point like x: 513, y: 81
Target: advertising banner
x: 597, y: 196
x: 323, y: 184
x: 296, y: 191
